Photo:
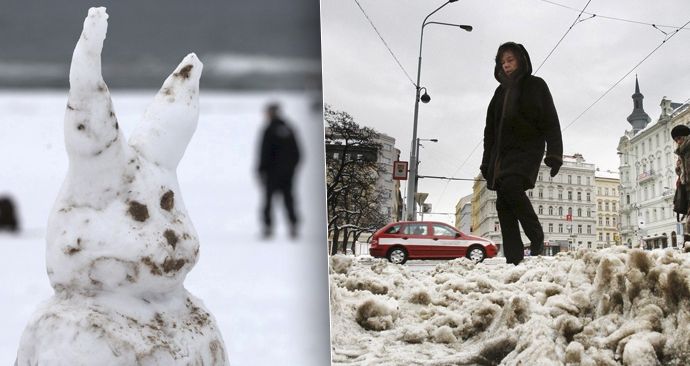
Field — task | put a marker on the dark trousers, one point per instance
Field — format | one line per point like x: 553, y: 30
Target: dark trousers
x: 515, y: 209
x: 283, y: 187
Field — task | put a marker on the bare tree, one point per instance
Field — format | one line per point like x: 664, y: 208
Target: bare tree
x: 354, y: 201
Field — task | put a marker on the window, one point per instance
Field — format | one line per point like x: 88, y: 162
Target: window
x: 601, y: 221
x: 599, y: 191
x: 579, y: 180
x: 415, y: 229
x: 599, y: 206
x: 570, y: 211
x: 608, y: 223
x: 606, y: 191
x: 570, y: 179
x: 551, y: 210
x: 539, y: 177
x: 560, y: 211
x: 614, y: 221
x: 541, y: 209
x: 529, y: 193
x: 589, y: 197
x: 579, y: 196
x: 541, y: 193
x: 627, y: 199
x: 550, y: 228
x: 608, y: 237
x: 497, y: 226
x: 589, y: 212
x: 560, y: 228
x: 613, y: 206
x: 601, y: 237
x: 579, y: 229
x: 589, y: 229
x: 570, y: 195
x: 579, y: 212
x: 606, y: 206
x: 560, y: 195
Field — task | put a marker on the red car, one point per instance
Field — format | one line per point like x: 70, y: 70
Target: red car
x: 403, y: 240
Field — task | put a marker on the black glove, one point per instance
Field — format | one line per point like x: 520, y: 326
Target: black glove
x: 485, y: 171
x: 554, y: 163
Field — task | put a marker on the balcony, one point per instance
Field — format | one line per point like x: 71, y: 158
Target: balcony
x: 645, y: 176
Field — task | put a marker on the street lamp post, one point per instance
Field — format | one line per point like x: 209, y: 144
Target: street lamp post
x: 416, y: 177
x: 412, y: 186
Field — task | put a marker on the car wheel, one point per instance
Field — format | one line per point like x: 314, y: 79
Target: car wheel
x: 397, y: 256
x: 476, y: 253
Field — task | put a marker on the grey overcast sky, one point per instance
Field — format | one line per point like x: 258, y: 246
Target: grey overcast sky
x: 362, y: 78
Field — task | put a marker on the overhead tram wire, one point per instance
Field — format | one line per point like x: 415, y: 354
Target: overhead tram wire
x: 577, y: 20
x: 626, y: 74
x: 655, y: 25
x: 460, y: 167
x: 385, y: 43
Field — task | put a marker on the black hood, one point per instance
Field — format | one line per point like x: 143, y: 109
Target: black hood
x: 525, y: 67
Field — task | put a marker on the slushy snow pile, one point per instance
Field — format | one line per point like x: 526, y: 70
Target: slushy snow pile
x: 119, y: 240
x: 611, y: 307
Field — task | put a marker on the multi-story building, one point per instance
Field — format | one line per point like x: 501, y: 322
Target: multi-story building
x: 647, y: 176
x: 463, y: 214
x: 389, y: 186
x: 608, y: 203
x: 565, y: 205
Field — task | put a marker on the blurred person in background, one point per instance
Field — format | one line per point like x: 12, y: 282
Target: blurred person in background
x: 279, y: 156
x: 8, y: 215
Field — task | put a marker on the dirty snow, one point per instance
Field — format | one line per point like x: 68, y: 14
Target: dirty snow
x: 611, y: 307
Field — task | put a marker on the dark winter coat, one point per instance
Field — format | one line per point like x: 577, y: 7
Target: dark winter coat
x: 279, y: 151
x: 520, y: 122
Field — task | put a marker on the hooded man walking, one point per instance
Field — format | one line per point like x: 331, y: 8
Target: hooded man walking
x: 521, y: 122
x: 278, y: 159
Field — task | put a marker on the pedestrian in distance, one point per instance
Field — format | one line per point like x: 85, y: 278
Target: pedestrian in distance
x: 680, y: 134
x: 8, y: 215
x: 279, y: 156
x: 521, y: 123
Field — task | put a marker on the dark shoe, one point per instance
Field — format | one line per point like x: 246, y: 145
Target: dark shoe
x: 267, y: 233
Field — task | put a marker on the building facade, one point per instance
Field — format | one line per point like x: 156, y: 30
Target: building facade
x: 565, y: 205
x: 391, y: 187
x: 463, y: 214
x: 608, y: 203
x: 647, y: 176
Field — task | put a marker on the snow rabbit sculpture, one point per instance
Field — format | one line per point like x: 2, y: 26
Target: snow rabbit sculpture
x: 119, y: 241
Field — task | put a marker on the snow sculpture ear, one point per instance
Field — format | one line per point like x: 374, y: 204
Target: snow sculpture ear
x: 170, y: 121
x: 91, y: 128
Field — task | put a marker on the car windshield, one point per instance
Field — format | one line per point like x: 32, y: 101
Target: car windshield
x: 395, y: 229
x: 416, y: 229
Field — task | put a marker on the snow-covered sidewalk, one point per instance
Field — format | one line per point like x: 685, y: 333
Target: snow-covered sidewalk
x: 609, y: 307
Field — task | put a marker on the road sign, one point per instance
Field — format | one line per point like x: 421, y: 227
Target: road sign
x: 400, y: 170
x: 420, y: 197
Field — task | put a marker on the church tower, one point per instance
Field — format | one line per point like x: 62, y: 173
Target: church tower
x: 639, y: 119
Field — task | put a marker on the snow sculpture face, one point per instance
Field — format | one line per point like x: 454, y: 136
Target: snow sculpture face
x: 119, y: 223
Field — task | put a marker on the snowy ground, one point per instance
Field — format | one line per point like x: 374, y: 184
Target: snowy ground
x: 270, y: 298
x: 612, y: 307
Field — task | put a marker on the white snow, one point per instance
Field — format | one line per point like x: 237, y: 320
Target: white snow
x: 269, y: 298
x: 610, y: 307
